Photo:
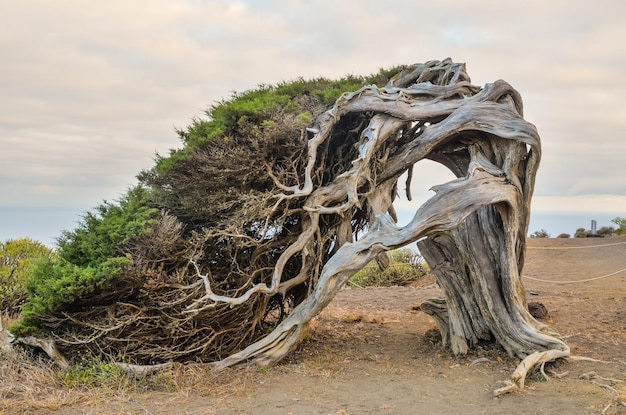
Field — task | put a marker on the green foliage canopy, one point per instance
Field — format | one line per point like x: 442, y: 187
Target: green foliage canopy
x: 253, y: 106
x: 88, y: 258
x: 220, y: 164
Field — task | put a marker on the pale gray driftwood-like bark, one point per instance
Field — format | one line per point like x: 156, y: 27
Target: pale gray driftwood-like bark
x: 471, y: 232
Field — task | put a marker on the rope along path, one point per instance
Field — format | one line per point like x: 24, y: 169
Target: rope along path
x: 576, y: 247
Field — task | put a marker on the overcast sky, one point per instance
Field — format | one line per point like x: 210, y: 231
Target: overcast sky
x: 91, y: 90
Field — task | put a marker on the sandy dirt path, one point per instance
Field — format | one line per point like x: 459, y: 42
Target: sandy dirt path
x: 370, y: 353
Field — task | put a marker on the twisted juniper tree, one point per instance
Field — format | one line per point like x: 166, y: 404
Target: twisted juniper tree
x: 286, y: 192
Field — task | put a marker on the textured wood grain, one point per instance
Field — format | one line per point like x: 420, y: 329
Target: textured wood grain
x: 471, y: 232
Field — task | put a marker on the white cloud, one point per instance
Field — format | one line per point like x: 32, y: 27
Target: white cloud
x: 91, y: 92
x: 585, y: 203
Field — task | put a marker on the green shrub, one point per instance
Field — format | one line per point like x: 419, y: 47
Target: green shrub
x: 88, y: 259
x: 582, y: 233
x: 540, y: 234
x: 91, y: 371
x: 563, y: 235
x: 405, y: 267
x: 17, y: 261
x: 621, y: 225
x: 100, y: 234
x: 601, y: 233
x: 94, y: 371
x: 605, y: 231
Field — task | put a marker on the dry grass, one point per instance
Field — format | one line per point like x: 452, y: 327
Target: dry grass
x: 32, y: 384
x: 29, y: 383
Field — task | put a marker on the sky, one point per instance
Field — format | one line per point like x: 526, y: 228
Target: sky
x: 91, y: 91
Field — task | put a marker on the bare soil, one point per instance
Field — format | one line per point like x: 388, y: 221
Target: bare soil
x: 369, y: 352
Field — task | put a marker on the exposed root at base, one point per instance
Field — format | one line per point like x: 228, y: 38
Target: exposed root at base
x: 518, y: 377
x: 516, y: 383
x: 48, y: 346
x: 143, y: 370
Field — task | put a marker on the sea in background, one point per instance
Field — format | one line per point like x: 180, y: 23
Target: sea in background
x: 40, y: 224
x: 46, y: 224
x: 552, y: 222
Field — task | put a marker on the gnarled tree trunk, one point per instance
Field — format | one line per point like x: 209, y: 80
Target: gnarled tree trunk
x: 471, y: 232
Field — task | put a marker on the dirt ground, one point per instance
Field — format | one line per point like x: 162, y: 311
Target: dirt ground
x: 369, y: 352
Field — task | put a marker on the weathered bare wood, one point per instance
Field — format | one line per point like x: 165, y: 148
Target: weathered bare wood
x: 48, y: 346
x: 437, y: 308
x: 471, y: 232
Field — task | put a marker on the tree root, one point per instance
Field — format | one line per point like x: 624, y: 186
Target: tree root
x: 48, y: 346
x: 143, y: 370
x: 6, y: 338
x: 518, y: 377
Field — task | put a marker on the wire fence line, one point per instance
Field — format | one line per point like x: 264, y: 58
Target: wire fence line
x: 576, y: 281
x: 575, y: 247
x: 403, y: 264
x: 539, y: 279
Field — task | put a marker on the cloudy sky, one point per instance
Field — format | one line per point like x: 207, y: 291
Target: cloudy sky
x: 90, y: 91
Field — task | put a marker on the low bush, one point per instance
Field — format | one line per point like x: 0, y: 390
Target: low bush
x: 406, y: 266
x: 18, y: 258
x: 540, y: 234
x: 582, y: 233
x: 605, y: 231
x: 621, y: 225
x: 89, y: 259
